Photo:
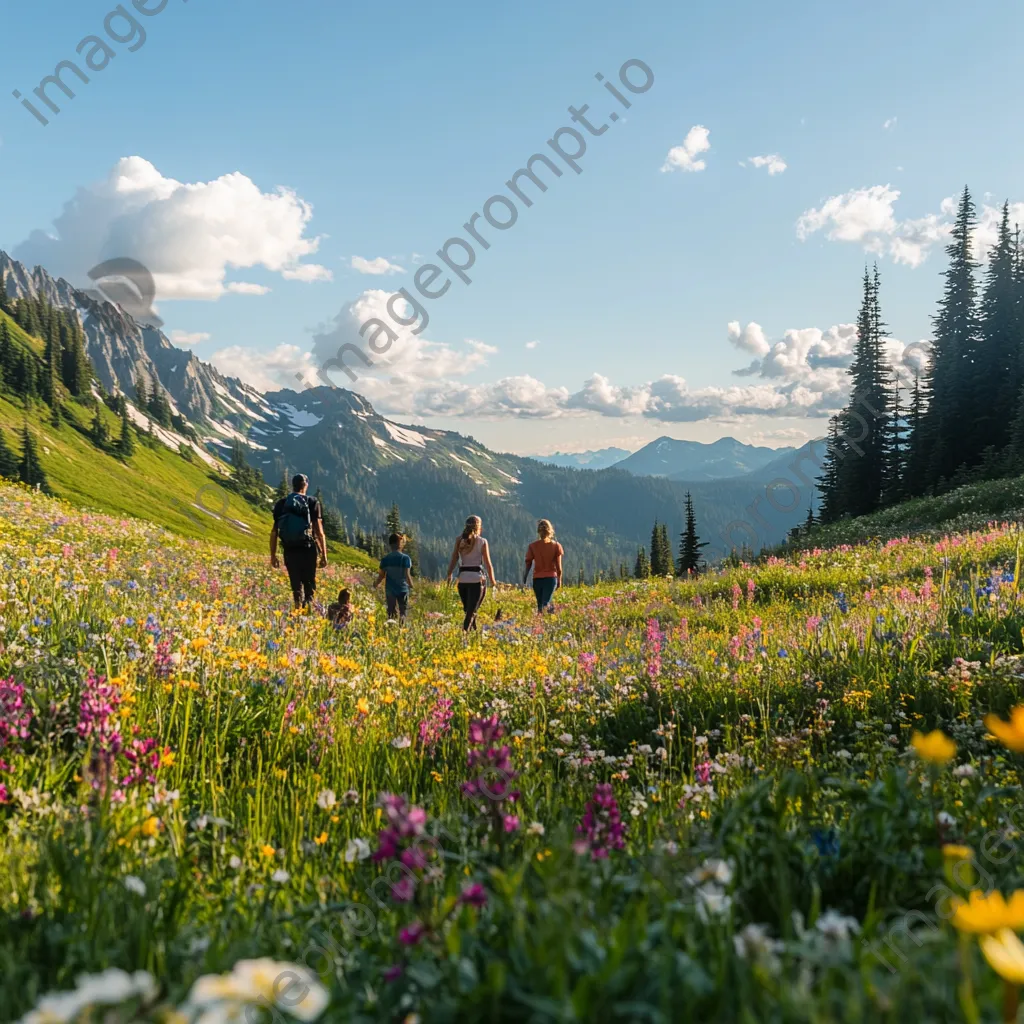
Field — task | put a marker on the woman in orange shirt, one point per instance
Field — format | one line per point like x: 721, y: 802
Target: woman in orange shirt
x: 545, y: 555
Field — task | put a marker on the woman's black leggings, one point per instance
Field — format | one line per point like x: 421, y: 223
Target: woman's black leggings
x: 472, y: 595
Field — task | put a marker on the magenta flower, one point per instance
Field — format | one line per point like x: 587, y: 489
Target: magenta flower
x: 511, y: 823
x: 474, y: 895
x: 703, y: 773
x: 601, y: 829
x: 437, y: 724
x: 411, y: 934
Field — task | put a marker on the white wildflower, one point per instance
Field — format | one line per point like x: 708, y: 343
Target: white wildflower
x: 356, y: 849
x: 135, y: 885
x: 326, y: 799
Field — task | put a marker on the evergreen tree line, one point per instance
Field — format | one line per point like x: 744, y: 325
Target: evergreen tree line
x: 25, y: 467
x: 962, y: 417
x: 688, y: 562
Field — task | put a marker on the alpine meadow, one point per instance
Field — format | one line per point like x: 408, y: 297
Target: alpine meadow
x: 634, y: 637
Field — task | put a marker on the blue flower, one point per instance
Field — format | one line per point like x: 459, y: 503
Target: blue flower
x: 827, y: 842
x: 783, y: 653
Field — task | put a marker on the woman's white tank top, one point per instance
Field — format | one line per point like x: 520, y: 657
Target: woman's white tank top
x: 473, y: 560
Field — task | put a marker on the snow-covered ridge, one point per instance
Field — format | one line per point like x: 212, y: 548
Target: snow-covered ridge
x: 405, y: 436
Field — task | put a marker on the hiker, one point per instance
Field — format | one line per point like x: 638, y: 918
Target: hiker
x: 545, y: 556
x: 396, y: 568
x: 299, y: 525
x: 341, y: 613
x: 473, y: 557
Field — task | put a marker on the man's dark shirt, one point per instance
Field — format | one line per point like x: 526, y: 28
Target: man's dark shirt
x: 314, y: 512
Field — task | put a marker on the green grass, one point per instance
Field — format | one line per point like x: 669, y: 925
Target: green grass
x: 967, y: 508
x: 186, y: 496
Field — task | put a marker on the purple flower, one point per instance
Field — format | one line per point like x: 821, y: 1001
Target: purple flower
x: 393, y: 973
x: 511, y: 823
x: 411, y: 934
x: 474, y: 895
x: 437, y: 724
x: 601, y: 829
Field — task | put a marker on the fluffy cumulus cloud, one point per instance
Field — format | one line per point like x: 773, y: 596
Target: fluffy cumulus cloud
x: 801, y: 375
x: 772, y: 162
x: 186, y: 339
x: 377, y: 266
x: 189, y: 235
x: 867, y: 216
x: 687, y: 156
x: 810, y: 366
x: 281, y: 367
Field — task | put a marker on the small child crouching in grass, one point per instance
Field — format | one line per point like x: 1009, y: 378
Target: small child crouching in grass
x: 341, y: 613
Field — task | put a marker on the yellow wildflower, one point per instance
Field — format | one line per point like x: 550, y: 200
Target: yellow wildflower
x: 936, y: 747
x: 151, y: 826
x: 321, y: 839
x: 1010, y: 734
x: 167, y: 758
x: 1005, y: 955
x: 954, y: 852
x: 267, y: 851
x: 363, y: 706
x: 200, y: 642
x: 986, y: 913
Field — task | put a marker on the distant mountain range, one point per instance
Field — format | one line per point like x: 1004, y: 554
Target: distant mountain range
x: 694, y: 460
x: 603, y: 458
x: 363, y: 461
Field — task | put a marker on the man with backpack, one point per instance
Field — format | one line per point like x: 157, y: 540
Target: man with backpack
x: 299, y: 526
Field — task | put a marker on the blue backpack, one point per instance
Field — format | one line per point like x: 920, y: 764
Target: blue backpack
x: 295, y: 527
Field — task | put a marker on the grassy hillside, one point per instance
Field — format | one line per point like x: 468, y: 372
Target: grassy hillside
x: 184, y: 495
x: 967, y: 508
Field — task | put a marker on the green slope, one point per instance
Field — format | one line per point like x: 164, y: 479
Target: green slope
x: 970, y: 507
x: 156, y: 484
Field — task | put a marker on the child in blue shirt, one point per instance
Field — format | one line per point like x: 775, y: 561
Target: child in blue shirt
x: 396, y: 568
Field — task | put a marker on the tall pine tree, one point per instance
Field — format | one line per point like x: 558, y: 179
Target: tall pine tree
x: 864, y: 424
x: 998, y: 369
x: 690, y: 543
x: 642, y: 567
x: 951, y: 380
x: 9, y: 463
x: 30, y: 469
x: 126, y: 442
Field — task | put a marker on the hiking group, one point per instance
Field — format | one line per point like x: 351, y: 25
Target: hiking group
x: 299, y: 528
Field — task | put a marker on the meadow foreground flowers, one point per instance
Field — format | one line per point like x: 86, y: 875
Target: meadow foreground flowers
x: 728, y: 793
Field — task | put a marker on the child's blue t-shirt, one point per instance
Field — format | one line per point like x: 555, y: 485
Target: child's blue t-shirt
x: 394, y: 565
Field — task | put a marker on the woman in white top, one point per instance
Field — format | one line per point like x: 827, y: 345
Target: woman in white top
x: 473, y: 556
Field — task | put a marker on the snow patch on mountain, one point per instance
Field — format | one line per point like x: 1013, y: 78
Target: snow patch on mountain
x: 406, y: 436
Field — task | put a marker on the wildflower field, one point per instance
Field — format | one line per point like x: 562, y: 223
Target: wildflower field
x: 786, y: 792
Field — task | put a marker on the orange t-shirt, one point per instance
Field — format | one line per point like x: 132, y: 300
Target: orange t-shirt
x: 543, y: 555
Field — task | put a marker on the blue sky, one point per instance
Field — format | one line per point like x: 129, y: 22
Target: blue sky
x: 389, y: 126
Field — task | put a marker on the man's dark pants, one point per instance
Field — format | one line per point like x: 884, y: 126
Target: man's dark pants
x: 301, y: 566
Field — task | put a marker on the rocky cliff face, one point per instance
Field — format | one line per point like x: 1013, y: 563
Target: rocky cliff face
x: 120, y: 348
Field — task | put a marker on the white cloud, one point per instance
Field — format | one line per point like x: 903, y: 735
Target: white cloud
x: 774, y: 163
x: 308, y: 272
x: 684, y: 157
x: 867, y: 216
x: 376, y: 266
x: 186, y: 340
x: 890, y: 123
x: 282, y: 366
x: 246, y: 288
x: 532, y: 344
x: 189, y: 235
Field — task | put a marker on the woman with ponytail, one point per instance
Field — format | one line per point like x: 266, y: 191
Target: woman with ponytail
x: 545, y: 556
x: 473, y: 557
